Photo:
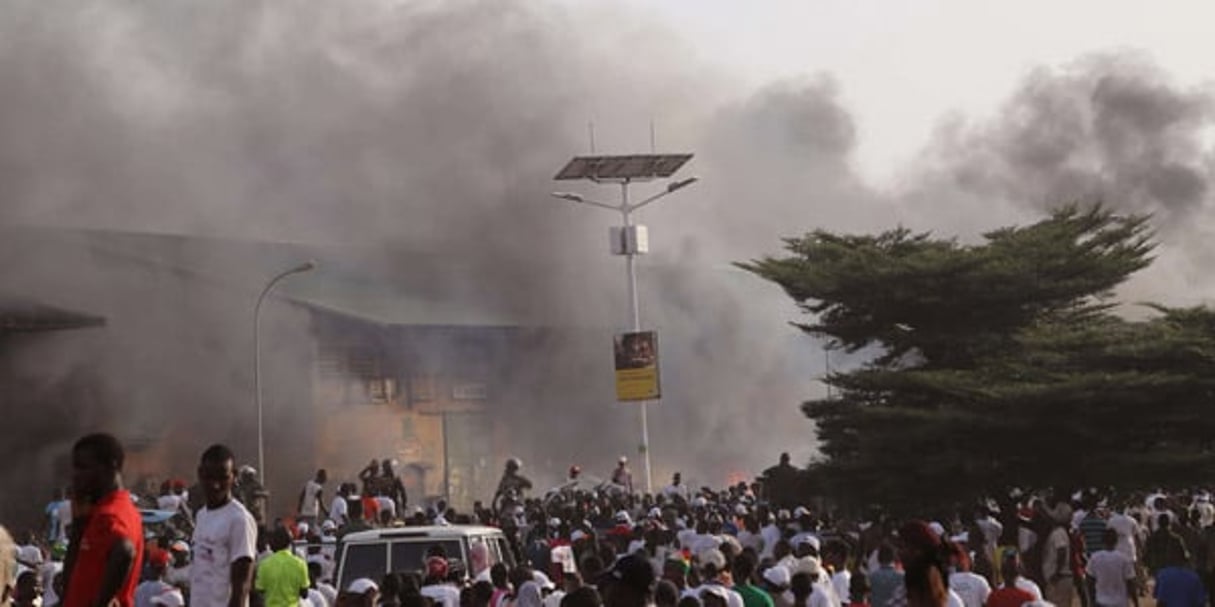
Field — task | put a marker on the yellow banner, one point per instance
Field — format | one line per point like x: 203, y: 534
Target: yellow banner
x: 637, y: 366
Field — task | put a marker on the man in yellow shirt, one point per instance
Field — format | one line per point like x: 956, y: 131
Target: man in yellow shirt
x: 282, y: 577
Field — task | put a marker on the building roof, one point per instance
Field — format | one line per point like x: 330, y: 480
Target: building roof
x: 351, y: 281
x: 23, y: 315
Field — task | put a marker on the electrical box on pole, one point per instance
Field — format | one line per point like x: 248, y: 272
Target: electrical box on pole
x: 629, y: 240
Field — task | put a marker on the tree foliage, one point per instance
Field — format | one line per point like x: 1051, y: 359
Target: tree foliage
x: 1000, y: 363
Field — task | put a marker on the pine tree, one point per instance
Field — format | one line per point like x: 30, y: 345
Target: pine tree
x: 1000, y: 363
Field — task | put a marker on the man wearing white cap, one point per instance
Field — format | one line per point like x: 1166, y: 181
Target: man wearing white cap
x: 364, y: 593
x: 776, y: 583
x: 622, y: 476
x: 712, y: 565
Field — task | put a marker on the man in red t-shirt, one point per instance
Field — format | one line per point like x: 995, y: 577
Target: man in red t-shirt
x: 102, y: 568
x: 1010, y: 594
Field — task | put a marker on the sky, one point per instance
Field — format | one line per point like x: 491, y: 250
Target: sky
x: 934, y: 57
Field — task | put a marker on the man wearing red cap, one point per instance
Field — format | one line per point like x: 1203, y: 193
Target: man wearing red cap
x: 436, y: 585
x: 158, y: 565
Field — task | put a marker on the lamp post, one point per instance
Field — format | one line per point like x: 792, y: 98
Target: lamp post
x: 257, y: 362
x: 598, y: 169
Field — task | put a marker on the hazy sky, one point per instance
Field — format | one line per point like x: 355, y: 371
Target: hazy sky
x: 903, y: 65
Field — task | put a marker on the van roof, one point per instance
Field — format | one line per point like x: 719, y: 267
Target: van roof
x: 428, y: 532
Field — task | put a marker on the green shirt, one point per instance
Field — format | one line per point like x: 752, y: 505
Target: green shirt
x: 281, y: 577
x: 752, y: 596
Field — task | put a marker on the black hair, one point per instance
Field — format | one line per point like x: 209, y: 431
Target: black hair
x: 279, y: 539
x: 838, y: 548
x: 744, y: 568
x: 802, y: 585
x: 858, y: 586
x: 666, y: 594
x: 582, y: 597
x: 498, y: 575
x: 391, y: 585
x: 885, y: 553
x: 103, y: 448
x: 217, y: 454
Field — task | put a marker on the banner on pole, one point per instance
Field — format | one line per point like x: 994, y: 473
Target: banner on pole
x: 637, y: 366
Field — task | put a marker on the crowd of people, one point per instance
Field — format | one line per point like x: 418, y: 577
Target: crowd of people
x: 587, y: 544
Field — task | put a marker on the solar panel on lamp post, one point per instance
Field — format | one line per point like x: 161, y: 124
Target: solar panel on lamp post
x: 626, y: 170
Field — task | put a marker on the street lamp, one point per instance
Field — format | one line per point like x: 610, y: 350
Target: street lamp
x: 257, y: 362
x: 625, y: 170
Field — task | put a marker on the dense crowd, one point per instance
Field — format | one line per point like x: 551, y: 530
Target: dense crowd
x: 587, y: 543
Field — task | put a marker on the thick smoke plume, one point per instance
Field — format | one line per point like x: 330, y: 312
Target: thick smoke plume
x: 419, y: 139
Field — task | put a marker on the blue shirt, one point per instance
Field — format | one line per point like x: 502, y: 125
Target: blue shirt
x: 882, y: 584
x: 1179, y: 587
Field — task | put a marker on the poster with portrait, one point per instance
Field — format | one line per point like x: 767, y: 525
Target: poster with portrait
x: 637, y: 366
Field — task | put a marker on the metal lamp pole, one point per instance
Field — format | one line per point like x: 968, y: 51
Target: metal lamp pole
x: 630, y: 263
x: 257, y: 363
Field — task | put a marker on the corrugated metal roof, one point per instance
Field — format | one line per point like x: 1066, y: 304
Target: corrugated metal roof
x: 23, y: 315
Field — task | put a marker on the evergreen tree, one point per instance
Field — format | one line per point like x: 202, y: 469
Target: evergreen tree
x: 1000, y: 363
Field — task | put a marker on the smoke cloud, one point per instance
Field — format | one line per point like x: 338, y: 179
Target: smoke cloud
x: 414, y: 144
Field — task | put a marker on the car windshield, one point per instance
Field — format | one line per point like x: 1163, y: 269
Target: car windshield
x: 366, y: 560
x: 411, y: 555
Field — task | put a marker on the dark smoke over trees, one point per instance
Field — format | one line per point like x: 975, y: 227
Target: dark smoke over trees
x: 999, y: 364
x: 419, y: 140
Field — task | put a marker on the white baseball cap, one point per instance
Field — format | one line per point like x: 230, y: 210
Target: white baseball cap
x: 778, y: 575
x: 170, y: 598
x: 811, y: 540
x: 362, y: 586
x: 713, y: 556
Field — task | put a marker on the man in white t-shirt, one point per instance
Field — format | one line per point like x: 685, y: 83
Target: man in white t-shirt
x: 1206, y: 511
x: 676, y: 488
x: 1113, y: 573
x: 311, y: 504
x: 388, y: 508
x: 1057, y: 565
x: 770, y: 532
x: 836, y: 556
x: 971, y: 588
x: 1010, y: 568
x: 1129, y: 532
x: 339, y: 509
x: 224, y: 537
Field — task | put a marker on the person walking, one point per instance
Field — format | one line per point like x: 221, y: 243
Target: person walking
x: 1113, y: 574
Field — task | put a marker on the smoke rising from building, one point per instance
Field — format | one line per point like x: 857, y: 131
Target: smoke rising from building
x: 421, y: 139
